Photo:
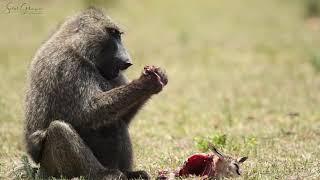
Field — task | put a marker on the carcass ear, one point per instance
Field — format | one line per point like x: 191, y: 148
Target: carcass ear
x: 215, y: 151
x: 242, y: 159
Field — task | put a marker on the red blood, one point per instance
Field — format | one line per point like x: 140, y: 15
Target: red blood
x: 199, y: 164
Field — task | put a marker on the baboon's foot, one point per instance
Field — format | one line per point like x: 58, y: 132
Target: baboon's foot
x: 137, y: 175
x: 112, y: 174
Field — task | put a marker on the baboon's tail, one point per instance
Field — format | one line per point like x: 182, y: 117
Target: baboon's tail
x: 35, y: 144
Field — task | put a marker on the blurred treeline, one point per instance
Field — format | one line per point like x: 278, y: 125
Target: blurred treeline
x: 312, y: 8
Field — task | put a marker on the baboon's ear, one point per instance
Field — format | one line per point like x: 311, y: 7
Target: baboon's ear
x: 215, y: 151
x: 78, y: 24
x: 242, y: 159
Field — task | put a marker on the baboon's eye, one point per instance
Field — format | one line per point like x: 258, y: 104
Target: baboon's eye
x: 114, y: 32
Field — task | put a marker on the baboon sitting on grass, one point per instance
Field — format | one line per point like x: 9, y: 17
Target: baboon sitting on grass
x: 79, y: 104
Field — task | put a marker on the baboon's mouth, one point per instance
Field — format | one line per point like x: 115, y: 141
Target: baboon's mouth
x: 114, y: 74
x: 110, y: 75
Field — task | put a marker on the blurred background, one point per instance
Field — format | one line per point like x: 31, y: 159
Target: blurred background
x: 243, y: 75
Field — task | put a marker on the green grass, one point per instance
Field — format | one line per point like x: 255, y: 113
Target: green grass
x: 315, y: 61
x: 239, y: 74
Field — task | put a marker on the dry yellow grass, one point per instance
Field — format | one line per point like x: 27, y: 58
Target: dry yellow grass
x: 239, y: 68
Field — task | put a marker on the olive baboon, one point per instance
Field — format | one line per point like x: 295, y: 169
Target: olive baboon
x: 79, y: 104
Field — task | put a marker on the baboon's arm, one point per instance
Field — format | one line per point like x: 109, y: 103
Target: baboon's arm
x: 124, y: 101
x: 121, y: 100
x: 129, y: 115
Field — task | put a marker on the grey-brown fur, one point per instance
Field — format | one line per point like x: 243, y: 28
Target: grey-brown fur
x: 79, y: 105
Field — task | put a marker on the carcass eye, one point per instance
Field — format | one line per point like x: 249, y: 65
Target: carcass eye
x: 237, y: 169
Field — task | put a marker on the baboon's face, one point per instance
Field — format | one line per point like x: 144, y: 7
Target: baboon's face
x: 113, y: 57
x: 98, y: 38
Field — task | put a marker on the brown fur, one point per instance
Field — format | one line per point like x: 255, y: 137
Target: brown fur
x: 79, y: 105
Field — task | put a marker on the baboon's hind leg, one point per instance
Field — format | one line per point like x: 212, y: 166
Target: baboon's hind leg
x: 65, y: 154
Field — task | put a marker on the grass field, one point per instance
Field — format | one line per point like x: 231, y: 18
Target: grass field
x: 244, y: 71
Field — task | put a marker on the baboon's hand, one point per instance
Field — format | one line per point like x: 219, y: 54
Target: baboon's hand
x: 154, y: 78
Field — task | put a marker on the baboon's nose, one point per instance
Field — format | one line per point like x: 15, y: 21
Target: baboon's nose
x: 124, y: 65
